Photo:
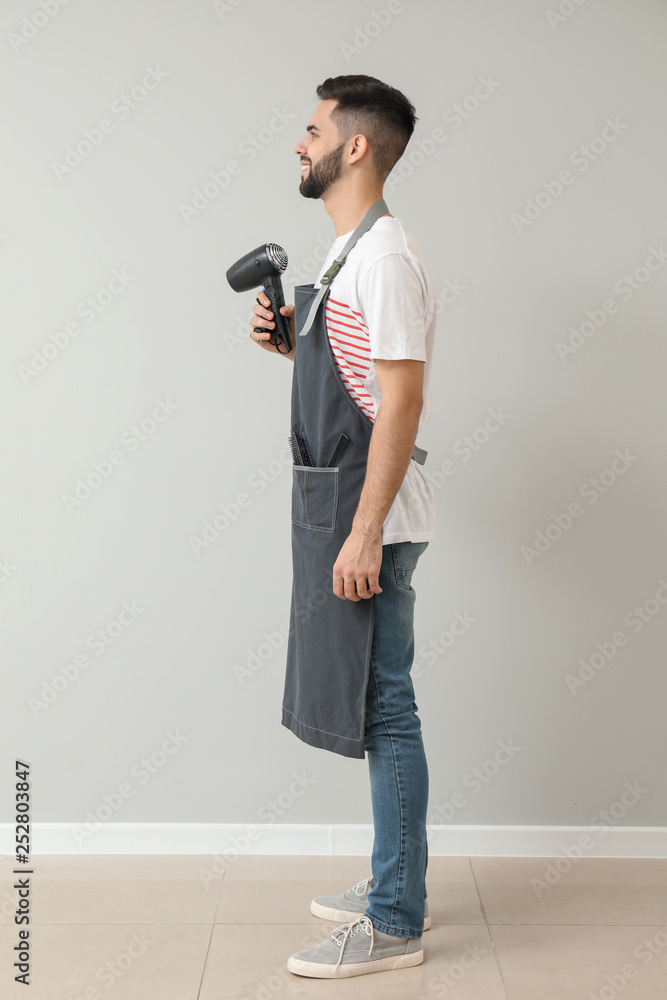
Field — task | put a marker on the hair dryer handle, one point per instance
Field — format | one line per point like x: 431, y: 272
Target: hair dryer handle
x: 273, y: 287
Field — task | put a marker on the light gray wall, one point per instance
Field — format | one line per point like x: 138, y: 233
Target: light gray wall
x: 177, y: 333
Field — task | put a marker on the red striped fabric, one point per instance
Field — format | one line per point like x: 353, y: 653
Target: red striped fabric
x: 351, y: 347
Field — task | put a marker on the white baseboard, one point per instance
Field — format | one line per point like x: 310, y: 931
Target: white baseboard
x: 338, y: 839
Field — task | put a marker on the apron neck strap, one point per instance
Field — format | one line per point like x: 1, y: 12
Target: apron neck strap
x: 371, y: 216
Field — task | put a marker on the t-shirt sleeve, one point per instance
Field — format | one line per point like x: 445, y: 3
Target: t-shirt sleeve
x: 393, y: 301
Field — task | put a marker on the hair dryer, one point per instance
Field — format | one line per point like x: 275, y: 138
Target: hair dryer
x: 264, y: 266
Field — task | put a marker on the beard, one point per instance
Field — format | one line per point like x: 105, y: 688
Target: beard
x: 318, y: 179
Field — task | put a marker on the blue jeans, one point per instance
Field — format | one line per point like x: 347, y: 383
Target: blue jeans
x: 396, y: 758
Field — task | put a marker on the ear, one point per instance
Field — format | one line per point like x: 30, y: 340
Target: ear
x: 360, y: 147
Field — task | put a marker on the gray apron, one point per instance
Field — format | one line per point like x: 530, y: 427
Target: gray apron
x: 330, y: 639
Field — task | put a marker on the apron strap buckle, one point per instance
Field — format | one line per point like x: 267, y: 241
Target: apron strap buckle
x: 327, y: 278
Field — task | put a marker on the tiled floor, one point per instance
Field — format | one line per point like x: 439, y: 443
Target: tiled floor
x: 175, y: 928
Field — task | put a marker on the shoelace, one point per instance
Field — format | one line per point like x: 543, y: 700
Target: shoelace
x: 360, y: 887
x: 342, y: 934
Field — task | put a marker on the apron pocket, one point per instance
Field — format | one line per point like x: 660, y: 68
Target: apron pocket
x: 315, y: 497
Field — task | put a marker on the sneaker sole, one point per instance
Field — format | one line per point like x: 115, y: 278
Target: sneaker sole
x: 331, y: 913
x: 319, y: 971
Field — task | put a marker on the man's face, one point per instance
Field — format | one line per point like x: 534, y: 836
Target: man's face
x: 320, y: 153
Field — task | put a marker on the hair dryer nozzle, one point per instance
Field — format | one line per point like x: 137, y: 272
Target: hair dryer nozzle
x: 277, y: 256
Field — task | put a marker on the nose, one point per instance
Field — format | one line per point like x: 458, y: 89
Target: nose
x: 299, y: 148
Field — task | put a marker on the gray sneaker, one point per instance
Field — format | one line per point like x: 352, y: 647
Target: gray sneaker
x: 346, y: 952
x: 351, y: 904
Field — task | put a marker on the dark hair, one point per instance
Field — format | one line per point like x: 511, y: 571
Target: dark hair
x: 380, y: 112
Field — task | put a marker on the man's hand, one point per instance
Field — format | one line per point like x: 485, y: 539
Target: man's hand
x: 260, y: 315
x: 356, y: 572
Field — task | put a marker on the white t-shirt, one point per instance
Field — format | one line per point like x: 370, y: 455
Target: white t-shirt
x: 382, y: 305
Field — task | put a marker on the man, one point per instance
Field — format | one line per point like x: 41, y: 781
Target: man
x: 362, y: 511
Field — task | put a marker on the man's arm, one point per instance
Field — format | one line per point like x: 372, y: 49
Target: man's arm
x: 357, y: 569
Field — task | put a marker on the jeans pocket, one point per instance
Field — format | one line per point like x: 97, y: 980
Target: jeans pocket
x: 405, y: 556
x: 315, y: 497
